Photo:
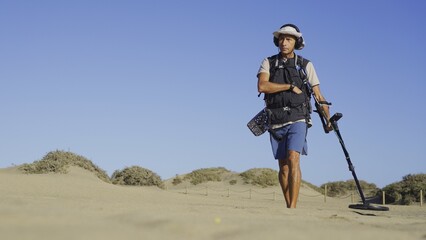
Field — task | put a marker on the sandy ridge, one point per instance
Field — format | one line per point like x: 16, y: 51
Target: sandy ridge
x: 78, y: 205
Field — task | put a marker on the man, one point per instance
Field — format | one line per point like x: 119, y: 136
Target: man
x: 281, y: 78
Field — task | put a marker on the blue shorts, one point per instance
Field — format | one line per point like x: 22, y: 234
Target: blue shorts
x: 293, y: 138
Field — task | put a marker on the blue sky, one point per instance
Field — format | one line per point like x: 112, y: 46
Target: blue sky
x: 170, y: 85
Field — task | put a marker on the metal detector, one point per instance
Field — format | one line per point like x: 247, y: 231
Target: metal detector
x: 333, y: 121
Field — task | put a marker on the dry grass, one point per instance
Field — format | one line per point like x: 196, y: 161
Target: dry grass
x: 136, y: 176
x: 206, y: 174
x: 406, y: 191
x: 343, y: 188
x: 264, y: 177
x: 59, y: 161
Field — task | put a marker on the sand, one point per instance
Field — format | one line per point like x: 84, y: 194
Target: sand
x: 78, y: 205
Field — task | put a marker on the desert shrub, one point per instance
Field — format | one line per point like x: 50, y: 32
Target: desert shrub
x: 334, y: 189
x: 406, y: 191
x: 206, y: 174
x: 233, y: 182
x: 342, y: 188
x: 263, y: 177
x: 393, y: 193
x: 177, y: 180
x: 58, y: 162
x: 136, y: 176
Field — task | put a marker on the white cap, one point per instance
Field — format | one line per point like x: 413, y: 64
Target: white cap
x: 287, y: 30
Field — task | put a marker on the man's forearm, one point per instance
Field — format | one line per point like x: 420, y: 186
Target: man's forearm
x: 270, y: 87
x: 320, y: 98
x: 265, y: 86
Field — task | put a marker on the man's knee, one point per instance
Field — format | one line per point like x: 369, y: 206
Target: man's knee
x: 293, y: 157
x: 283, y: 166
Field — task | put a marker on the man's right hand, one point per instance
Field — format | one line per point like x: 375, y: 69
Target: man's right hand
x: 297, y: 90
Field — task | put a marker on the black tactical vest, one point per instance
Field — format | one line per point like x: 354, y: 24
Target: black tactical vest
x: 287, y: 106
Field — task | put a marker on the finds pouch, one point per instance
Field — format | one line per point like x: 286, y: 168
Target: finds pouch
x: 259, y: 124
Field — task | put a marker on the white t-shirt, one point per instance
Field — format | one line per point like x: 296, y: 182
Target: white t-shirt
x: 310, y: 71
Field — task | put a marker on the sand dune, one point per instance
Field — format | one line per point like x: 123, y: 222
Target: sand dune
x: 78, y: 205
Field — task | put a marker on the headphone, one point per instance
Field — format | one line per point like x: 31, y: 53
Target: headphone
x: 300, y: 42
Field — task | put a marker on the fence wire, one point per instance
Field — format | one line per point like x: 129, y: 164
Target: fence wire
x: 205, y: 190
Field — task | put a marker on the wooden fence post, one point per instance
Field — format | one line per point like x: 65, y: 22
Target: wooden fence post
x: 325, y: 193
x: 383, y: 197
x: 421, y: 198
